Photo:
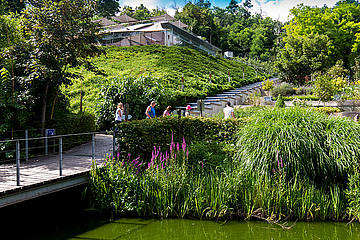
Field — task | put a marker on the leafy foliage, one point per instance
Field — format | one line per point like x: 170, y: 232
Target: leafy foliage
x: 280, y: 102
x: 285, y: 89
x: 58, y: 34
x: 268, y: 85
x: 107, y: 8
x: 303, y: 56
x: 336, y: 31
x: 328, y: 84
x: 137, y: 92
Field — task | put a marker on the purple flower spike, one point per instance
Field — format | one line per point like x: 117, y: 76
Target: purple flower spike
x: 177, y: 147
x: 183, y: 145
x: 118, y: 155
x: 202, y: 164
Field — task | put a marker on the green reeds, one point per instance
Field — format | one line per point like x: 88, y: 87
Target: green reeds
x: 178, y: 191
x: 301, y: 141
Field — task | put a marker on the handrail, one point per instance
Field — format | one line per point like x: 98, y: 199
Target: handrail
x: 48, y: 137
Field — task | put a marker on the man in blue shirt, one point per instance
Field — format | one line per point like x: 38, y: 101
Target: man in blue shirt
x: 150, y: 110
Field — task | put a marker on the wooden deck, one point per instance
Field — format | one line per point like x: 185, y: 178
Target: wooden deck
x: 43, y: 170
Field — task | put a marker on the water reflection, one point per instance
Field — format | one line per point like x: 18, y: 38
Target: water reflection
x: 139, y: 229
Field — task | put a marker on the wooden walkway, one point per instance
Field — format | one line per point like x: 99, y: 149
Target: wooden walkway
x: 44, y: 169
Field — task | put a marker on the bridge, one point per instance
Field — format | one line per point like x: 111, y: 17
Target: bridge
x: 27, y: 178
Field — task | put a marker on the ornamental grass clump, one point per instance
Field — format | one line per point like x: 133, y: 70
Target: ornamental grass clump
x: 310, y: 145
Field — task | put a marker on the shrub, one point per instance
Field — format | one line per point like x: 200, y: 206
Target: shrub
x: 280, y: 102
x: 68, y: 123
x: 285, y: 89
x: 300, y: 141
x: 328, y: 84
x: 139, y: 137
x: 304, y: 97
x: 328, y: 110
x: 268, y: 85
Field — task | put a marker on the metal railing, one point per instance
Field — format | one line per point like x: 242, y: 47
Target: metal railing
x: 24, y: 149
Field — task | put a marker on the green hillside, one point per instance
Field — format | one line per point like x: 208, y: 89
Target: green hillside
x: 164, y: 64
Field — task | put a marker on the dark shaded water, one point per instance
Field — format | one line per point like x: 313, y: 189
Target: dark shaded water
x: 63, y: 216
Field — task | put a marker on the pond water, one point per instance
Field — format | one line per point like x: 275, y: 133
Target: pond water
x: 136, y: 229
x: 64, y: 216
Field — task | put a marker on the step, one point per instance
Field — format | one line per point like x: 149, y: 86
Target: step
x: 228, y: 96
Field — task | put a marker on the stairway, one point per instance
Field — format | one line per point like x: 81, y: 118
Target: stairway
x: 215, y: 104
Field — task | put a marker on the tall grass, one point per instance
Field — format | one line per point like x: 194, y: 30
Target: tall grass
x: 300, y: 141
x: 183, y: 191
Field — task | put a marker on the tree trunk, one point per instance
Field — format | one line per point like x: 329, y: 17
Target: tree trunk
x: 43, y: 109
x: 81, y: 97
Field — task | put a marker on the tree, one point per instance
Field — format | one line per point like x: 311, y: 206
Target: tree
x: 203, y: 3
x: 302, y: 56
x: 107, y: 8
x: 200, y: 21
x: 341, y: 24
x: 233, y: 7
x: 15, y: 6
x: 141, y: 13
x: 60, y: 35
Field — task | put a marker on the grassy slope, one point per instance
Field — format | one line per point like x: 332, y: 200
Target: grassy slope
x: 165, y: 63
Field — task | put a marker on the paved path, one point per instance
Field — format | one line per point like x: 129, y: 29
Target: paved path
x: 215, y: 104
x: 76, y: 160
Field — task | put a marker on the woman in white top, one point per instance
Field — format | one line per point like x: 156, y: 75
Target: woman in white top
x: 228, y: 111
x: 119, y: 113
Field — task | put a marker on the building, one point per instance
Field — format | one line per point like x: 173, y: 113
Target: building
x: 124, y: 19
x: 162, y: 32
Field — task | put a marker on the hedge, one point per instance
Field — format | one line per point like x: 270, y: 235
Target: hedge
x: 71, y: 123
x: 139, y: 137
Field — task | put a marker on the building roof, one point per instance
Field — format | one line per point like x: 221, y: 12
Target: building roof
x: 179, y: 24
x: 104, y: 22
x: 163, y: 26
x: 190, y: 35
x: 124, y: 19
x: 164, y: 17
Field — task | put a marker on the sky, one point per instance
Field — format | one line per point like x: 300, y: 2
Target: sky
x: 277, y: 9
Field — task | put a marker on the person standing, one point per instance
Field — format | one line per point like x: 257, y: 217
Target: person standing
x: 228, y: 111
x: 167, y: 111
x: 187, y: 112
x: 150, y: 110
x: 119, y: 113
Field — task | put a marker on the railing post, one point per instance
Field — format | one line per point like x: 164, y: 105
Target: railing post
x: 18, y: 163
x: 26, y: 145
x: 93, y: 146
x: 61, y: 155
x: 46, y: 142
